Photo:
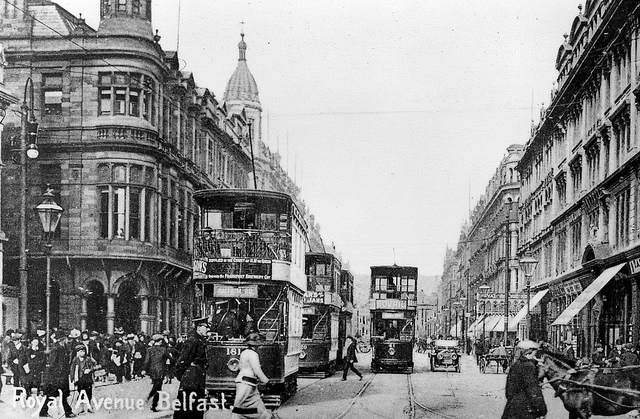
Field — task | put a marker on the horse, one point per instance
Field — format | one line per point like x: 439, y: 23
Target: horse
x: 591, y: 391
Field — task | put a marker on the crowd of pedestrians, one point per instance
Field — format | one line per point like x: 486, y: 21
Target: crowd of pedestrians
x: 77, y: 359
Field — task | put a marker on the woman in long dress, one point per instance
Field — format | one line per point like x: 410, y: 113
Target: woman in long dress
x: 248, y: 404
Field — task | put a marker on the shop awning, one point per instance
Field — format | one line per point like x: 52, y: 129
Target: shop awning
x: 586, y: 296
x: 474, y: 325
x: 535, y: 300
x: 491, y: 322
x: 499, y: 327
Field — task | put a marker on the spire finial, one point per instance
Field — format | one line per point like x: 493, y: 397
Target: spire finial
x: 242, y: 46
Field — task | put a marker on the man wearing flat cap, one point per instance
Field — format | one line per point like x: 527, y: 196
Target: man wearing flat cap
x: 524, y: 395
x: 56, y: 375
x: 248, y: 404
x: 17, y: 358
x: 191, y: 371
x: 155, y: 365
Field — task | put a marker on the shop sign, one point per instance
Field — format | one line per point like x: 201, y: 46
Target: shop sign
x: 573, y: 286
x: 309, y: 310
x: 634, y: 266
x: 313, y: 297
x: 235, y: 291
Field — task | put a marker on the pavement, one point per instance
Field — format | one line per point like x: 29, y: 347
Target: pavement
x: 127, y: 399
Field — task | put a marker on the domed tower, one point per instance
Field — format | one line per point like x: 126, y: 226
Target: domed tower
x: 126, y: 17
x: 242, y: 93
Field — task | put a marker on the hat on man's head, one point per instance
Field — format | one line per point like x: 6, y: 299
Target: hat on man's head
x: 118, y: 331
x: 74, y: 334
x: 9, y: 332
x: 40, y: 333
x: 131, y: 336
x: 166, y: 332
x: 202, y: 320
x: 16, y: 335
x: 254, y: 339
x: 528, y: 344
x: 157, y: 337
x: 598, y: 345
x: 94, y: 333
x: 80, y: 348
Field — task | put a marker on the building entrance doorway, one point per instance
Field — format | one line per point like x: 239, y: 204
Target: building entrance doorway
x: 96, y: 307
x: 127, y: 307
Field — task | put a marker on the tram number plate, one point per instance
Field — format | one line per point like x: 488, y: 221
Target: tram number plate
x: 234, y: 351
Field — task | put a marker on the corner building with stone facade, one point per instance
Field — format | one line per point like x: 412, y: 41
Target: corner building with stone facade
x: 125, y: 138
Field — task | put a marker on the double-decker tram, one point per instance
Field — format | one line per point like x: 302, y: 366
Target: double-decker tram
x: 248, y: 270
x: 320, y: 316
x: 393, y: 311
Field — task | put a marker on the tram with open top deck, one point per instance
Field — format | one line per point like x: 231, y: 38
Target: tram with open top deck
x: 321, y: 315
x: 393, y: 311
x: 248, y: 270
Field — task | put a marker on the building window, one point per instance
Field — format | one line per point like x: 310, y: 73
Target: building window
x: 52, y: 94
x: 121, y: 198
x: 576, y: 242
x: 122, y: 5
x: 623, y: 210
x: 136, y: 7
x: 126, y: 94
x: 576, y: 177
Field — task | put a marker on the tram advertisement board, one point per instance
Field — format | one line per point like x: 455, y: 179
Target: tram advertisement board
x: 313, y: 297
x: 232, y: 268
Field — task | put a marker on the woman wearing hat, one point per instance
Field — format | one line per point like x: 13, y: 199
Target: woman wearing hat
x: 524, y: 395
x: 248, y: 404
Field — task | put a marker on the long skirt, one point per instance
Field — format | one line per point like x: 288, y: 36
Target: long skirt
x: 248, y: 404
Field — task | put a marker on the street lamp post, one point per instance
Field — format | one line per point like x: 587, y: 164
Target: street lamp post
x: 49, y: 213
x: 29, y: 128
x: 528, y: 265
x: 484, y: 289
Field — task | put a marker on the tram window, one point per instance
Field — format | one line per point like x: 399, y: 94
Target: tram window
x: 216, y: 219
x: 268, y: 222
x: 381, y: 283
x: 244, y: 216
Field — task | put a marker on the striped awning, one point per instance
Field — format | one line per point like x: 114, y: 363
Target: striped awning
x: 535, y: 300
x: 586, y: 295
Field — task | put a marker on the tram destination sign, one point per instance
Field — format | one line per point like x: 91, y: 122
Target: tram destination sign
x: 391, y: 304
x: 232, y: 268
x: 235, y: 291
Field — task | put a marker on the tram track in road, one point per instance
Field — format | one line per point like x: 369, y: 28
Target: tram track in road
x: 413, y: 403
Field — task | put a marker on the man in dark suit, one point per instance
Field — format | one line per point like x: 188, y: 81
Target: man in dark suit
x: 524, y: 396
x: 155, y: 365
x: 350, y: 359
x: 56, y: 375
x: 191, y: 371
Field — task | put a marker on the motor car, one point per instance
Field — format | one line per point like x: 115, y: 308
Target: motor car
x: 445, y: 353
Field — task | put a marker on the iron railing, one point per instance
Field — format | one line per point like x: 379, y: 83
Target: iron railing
x: 232, y: 243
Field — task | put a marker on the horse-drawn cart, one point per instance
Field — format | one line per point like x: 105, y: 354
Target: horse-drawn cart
x: 500, y: 358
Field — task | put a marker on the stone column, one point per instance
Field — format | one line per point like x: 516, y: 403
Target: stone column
x: 159, y: 326
x: 144, y: 314
x: 83, y: 312
x: 111, y: 313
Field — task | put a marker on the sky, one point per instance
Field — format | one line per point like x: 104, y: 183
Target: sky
x: 392, y: 116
